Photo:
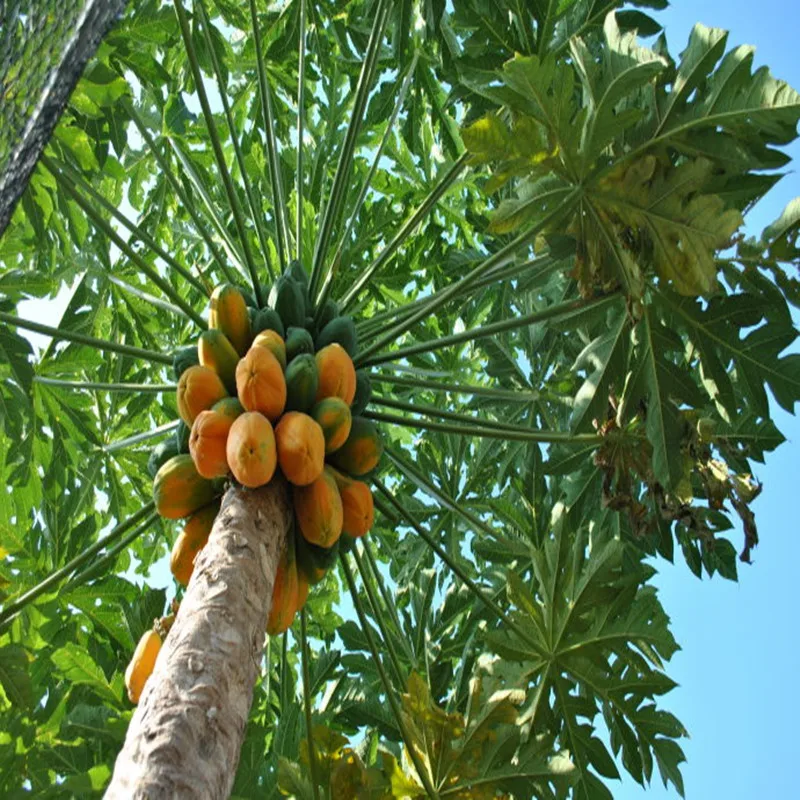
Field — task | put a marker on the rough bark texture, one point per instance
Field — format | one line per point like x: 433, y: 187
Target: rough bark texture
x: 187, y: 731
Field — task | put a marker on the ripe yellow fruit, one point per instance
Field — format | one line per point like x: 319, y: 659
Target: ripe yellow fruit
x: 142, y: 664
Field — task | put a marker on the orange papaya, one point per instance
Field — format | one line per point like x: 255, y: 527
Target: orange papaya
x: 251, y: 450
x: 273, y: 341
x: 142, y: 664
x: 284, y: 592
x: 333, y: 415
x: 198, y: 389
x: 362, y: 451
x: 179, y: 490
x: 228, y: 313
x: 358, y: 510
x: 191, y: 540
x: 318, y: 508
x: 207, y: 443
x: 337, y: 375
x: 260, y: 383
x: 301, y: 448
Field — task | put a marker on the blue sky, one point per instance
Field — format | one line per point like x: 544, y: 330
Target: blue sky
x: 740, y: 656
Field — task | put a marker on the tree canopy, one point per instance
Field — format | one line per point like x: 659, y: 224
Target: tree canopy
x: 534, y: 212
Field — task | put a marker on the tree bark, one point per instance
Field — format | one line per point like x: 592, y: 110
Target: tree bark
x: 187, y: 731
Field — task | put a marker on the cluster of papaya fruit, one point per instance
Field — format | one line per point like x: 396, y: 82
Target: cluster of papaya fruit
x: 271, y: 391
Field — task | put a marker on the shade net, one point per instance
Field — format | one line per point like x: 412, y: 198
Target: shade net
x: 44, y: 48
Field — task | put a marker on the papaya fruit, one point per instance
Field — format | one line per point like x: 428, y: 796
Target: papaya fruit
x: 182, y: 434
x: 362, y: 451
x: 313, y: 561
x: 260, y: 383
x: 337, y: 375
x: 318, y: 509
x: 198, y: 389
x: 358, y: 510
x: 302, y: 382
x: 191, y: 540
x: 251, y: 450
x: 288, y: 299
x: 311, y: 326
x: 249, y: 299
x: 273, y: 341
x: 267, y: 319
x: 333, y: 415
x: 363, y: 393
x: 208, y: 442
x: 216, y: 352
x: 228, y: 314
x: 141, y: 665
x: 284, y: 592
x: 296, y: 271
x: 341, y: 330
x: 328, y: 312
x: 298, y: 341
x: 183, y: 358
x: 229, y: 407
x: 301, y: 448
x: 179, y: 490
x: 160, y: 454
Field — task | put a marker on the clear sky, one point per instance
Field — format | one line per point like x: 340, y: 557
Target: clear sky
x: 741, y: 658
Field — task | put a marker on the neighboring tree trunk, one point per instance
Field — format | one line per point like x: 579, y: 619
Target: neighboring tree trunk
x: 186, y: 734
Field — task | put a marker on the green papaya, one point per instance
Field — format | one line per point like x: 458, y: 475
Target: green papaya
x: 314, y: 561
x: 160, y: 454
x: 311, y: 326
x: 363, y: 393
x: 216, y: 351
x: 183, y: 358
x: 267, y: 320
x: 298, y: 341
x: 249, y: 299
x: 362, y: 450
x: 178, y: 489
x: 302, y: 382
x: 297, y: 272
x: 329, y: 312
x: 182, y: 433
x: 288, y: 299
x: 341, y: 330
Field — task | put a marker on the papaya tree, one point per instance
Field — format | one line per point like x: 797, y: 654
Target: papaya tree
x: 413, y: 333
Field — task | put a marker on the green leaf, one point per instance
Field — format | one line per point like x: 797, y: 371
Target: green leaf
x: 77, y: 666
x: 781, y: 237
x: 652, y: 381
x: 16, y: 352
x: 15, y: 676
x: 684, y: 226
x: 603, y: 359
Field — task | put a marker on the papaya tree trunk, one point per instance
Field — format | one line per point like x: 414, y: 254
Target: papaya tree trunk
x: 187, y: 731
